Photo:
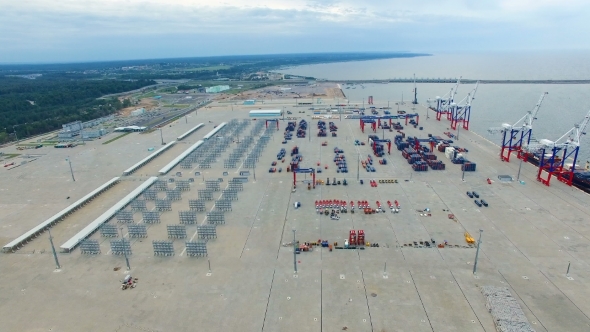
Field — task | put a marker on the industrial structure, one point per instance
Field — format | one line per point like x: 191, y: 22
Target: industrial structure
x: 517, y: 135
x: 266, y: 113
x: 217, y: 88
x: 443, y: 104
x: 461, y: 112
x: 211, y: 217
x: 558, y: 158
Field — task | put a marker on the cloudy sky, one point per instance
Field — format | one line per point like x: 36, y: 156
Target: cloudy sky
x: 89, y: 30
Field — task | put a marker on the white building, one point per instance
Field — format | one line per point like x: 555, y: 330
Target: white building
x: 266, y: 114
x: 138, y: 111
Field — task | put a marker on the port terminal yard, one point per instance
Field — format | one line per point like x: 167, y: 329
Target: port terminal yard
x: 247, y: 280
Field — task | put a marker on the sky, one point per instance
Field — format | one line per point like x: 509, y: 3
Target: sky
x: 91, y: 30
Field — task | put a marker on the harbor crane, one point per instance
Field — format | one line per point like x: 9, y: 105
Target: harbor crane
x: 554, y: 154
x: 443, y: 105
x: 518, y: 136
x: 462, y: 112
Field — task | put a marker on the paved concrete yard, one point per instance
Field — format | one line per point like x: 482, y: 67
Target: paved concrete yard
x: 531, y: 232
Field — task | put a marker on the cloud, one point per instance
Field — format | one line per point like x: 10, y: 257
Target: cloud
x: 332, y: 24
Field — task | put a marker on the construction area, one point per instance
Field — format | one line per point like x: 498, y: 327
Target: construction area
x: 311, y: 221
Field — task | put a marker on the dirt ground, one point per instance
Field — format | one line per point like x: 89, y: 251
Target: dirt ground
x: 323, y: 90
x: 147, y: 103
x: 334, y: 93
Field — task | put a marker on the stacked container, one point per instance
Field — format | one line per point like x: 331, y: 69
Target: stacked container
x: 413, y: 158
x: 468, y: 166
x: 429, y: 156
x: 420, y: 166
x: 436, y: 165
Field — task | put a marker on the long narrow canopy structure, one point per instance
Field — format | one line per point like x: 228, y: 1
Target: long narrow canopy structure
x: 149, y: 158
x: 178, y: 159
x: 58, y: 216
x: 93, y: 226
x: 185, y: 135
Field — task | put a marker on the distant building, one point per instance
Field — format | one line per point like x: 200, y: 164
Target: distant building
x: 130, y: 129
x: 72, y: 126
x: 217, y: 88
x: 93, y: 133
x: 138, y: 111
x: 69, y: 130
x: 266, y: 114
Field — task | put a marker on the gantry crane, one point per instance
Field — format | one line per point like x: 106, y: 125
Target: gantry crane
x: 305, y: 171
x: 517, y: 136
x: 461, y: 112
x: 564, y: 148
x: 443, y: 105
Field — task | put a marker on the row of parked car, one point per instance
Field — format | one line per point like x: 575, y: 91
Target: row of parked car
x: 478, y: 202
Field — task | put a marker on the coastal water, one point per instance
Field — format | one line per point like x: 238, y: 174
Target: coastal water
x: 494, y: 104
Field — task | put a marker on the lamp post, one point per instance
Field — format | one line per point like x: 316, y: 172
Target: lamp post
x: 162, y: 136
x: 14, y: 129
x: 358, y: 166
x: 477, y: 252
x: 294, y: 251
x: 15, y: 134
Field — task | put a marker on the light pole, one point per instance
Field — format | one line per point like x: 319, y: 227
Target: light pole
x: 57, y: 266
x: 15, y: 134
x: 162, y: 136
x: 294, y: 251
x: 477, y: 252
x: 358, y: 166
x: 519, y: 166
x: 71, y: 170
x: 463, y: 172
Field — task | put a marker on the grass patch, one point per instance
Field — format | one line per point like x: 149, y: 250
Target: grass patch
x: 116, y: 138
x: 147, y: 95
x: 167, y: 90
x: 11, y: 155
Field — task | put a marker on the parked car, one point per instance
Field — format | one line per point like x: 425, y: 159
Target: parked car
x: 478, y: 203
x: 469, y: 194
x: 475, y: 194
x: 484, y: 203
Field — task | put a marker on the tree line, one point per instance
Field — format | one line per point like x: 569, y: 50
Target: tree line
x: 32, y: 107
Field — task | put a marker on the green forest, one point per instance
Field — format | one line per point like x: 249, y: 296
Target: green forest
x: 30, y: 107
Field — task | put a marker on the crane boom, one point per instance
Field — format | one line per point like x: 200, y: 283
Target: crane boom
x: 533, y: 113
x: 572, y: 136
